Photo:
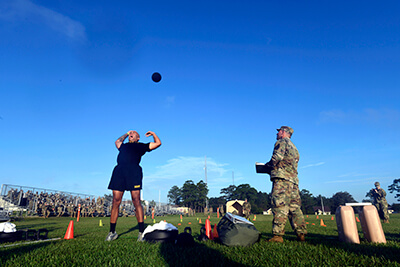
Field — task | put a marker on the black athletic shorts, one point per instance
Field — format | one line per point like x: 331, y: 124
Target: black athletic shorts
x: 126, y: 178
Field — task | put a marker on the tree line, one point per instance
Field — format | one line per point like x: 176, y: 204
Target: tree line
x: 194, y: 196
x: 190, y: 195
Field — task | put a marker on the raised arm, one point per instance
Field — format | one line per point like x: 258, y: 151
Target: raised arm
x: 157, y: 141
x: 120, y: 140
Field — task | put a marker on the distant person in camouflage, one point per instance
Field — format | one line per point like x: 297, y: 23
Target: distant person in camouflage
x: 379, y: 197
x: 285, y: 197
x: 246, y: 209
x: 221, y: 209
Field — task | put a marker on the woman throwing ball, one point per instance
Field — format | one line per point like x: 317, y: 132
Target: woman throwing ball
x: 128, y: 176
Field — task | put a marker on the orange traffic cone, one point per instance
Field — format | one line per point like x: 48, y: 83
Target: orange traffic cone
x: 145, y: 217
x: 208, y: 216
x: 215, y: 232
x: 218, y: 213
x: 307, y: 216
x: 322, y: 223
x: 358, y: 220
x: 208, y: 229
x: 70, y: 231
x: 317, y: 217
x: 199, y: 220
x: 79, y: 212
x: 332, y: 218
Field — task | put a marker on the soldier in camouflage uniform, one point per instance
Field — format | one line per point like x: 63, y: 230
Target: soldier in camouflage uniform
x: 39, y: 209
x: 221, y: 209
x: 46, y: 212
x: 60, y: 210
x: 70, y: 210
x: 285, y: 197
x: 246, y: 209
x: 379, y: 196
x: 92, y: 210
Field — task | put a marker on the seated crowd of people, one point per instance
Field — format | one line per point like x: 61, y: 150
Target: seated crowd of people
x: 46, y: 204
x: 50, y: 203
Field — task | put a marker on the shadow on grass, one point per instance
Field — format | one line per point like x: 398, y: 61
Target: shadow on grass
x: 363, y: 249
x: 198, y: 254
x: 19, y: 250
x: 130, y: 230
x: 393, y: 237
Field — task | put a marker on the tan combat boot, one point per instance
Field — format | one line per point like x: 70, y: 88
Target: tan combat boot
x: 277, y: 239
x: 301, y: 237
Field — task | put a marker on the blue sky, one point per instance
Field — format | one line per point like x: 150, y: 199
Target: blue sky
x: 75, y: 76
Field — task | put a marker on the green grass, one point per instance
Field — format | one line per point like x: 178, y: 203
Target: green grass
x: 88, y: 247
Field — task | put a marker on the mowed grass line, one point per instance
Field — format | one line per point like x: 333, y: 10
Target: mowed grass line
x: 88, y: 247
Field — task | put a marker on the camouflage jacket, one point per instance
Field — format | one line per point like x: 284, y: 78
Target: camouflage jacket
x: 380, y: 196
x: 246, y: 206
x: 284, y: 161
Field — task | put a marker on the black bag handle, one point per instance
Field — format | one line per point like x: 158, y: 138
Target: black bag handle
x: 189, y: 230
x: 203, y: 230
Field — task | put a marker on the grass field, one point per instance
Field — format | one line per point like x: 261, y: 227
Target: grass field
x: 88, y: 247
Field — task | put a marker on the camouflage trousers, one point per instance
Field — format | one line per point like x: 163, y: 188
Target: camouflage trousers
x: 246, y: 214
x: 286, y: 204
x: 382, y: 207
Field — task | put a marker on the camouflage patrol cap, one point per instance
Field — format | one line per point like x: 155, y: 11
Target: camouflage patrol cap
x: 377, y: 183
x: 286, y: 129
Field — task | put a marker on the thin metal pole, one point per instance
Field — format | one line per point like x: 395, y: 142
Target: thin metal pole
x: 205, y: 170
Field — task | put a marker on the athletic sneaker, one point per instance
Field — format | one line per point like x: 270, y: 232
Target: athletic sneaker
x: 140, y: 237
x: 111, y: 236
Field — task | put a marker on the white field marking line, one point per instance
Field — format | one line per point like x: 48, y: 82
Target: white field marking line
x: 32, y: 242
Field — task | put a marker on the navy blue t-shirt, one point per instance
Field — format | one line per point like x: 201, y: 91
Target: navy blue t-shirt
x: 131, y: 153
x: 128, y: 175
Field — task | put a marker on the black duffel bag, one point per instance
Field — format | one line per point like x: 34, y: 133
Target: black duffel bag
x: 185, y: 238
x: 234, y: 230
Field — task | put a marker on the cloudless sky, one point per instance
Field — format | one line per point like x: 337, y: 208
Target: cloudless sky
x: 76, y: 75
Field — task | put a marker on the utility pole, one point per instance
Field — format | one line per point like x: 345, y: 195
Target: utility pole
x: 322, y: 204
x: 205, y: 175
